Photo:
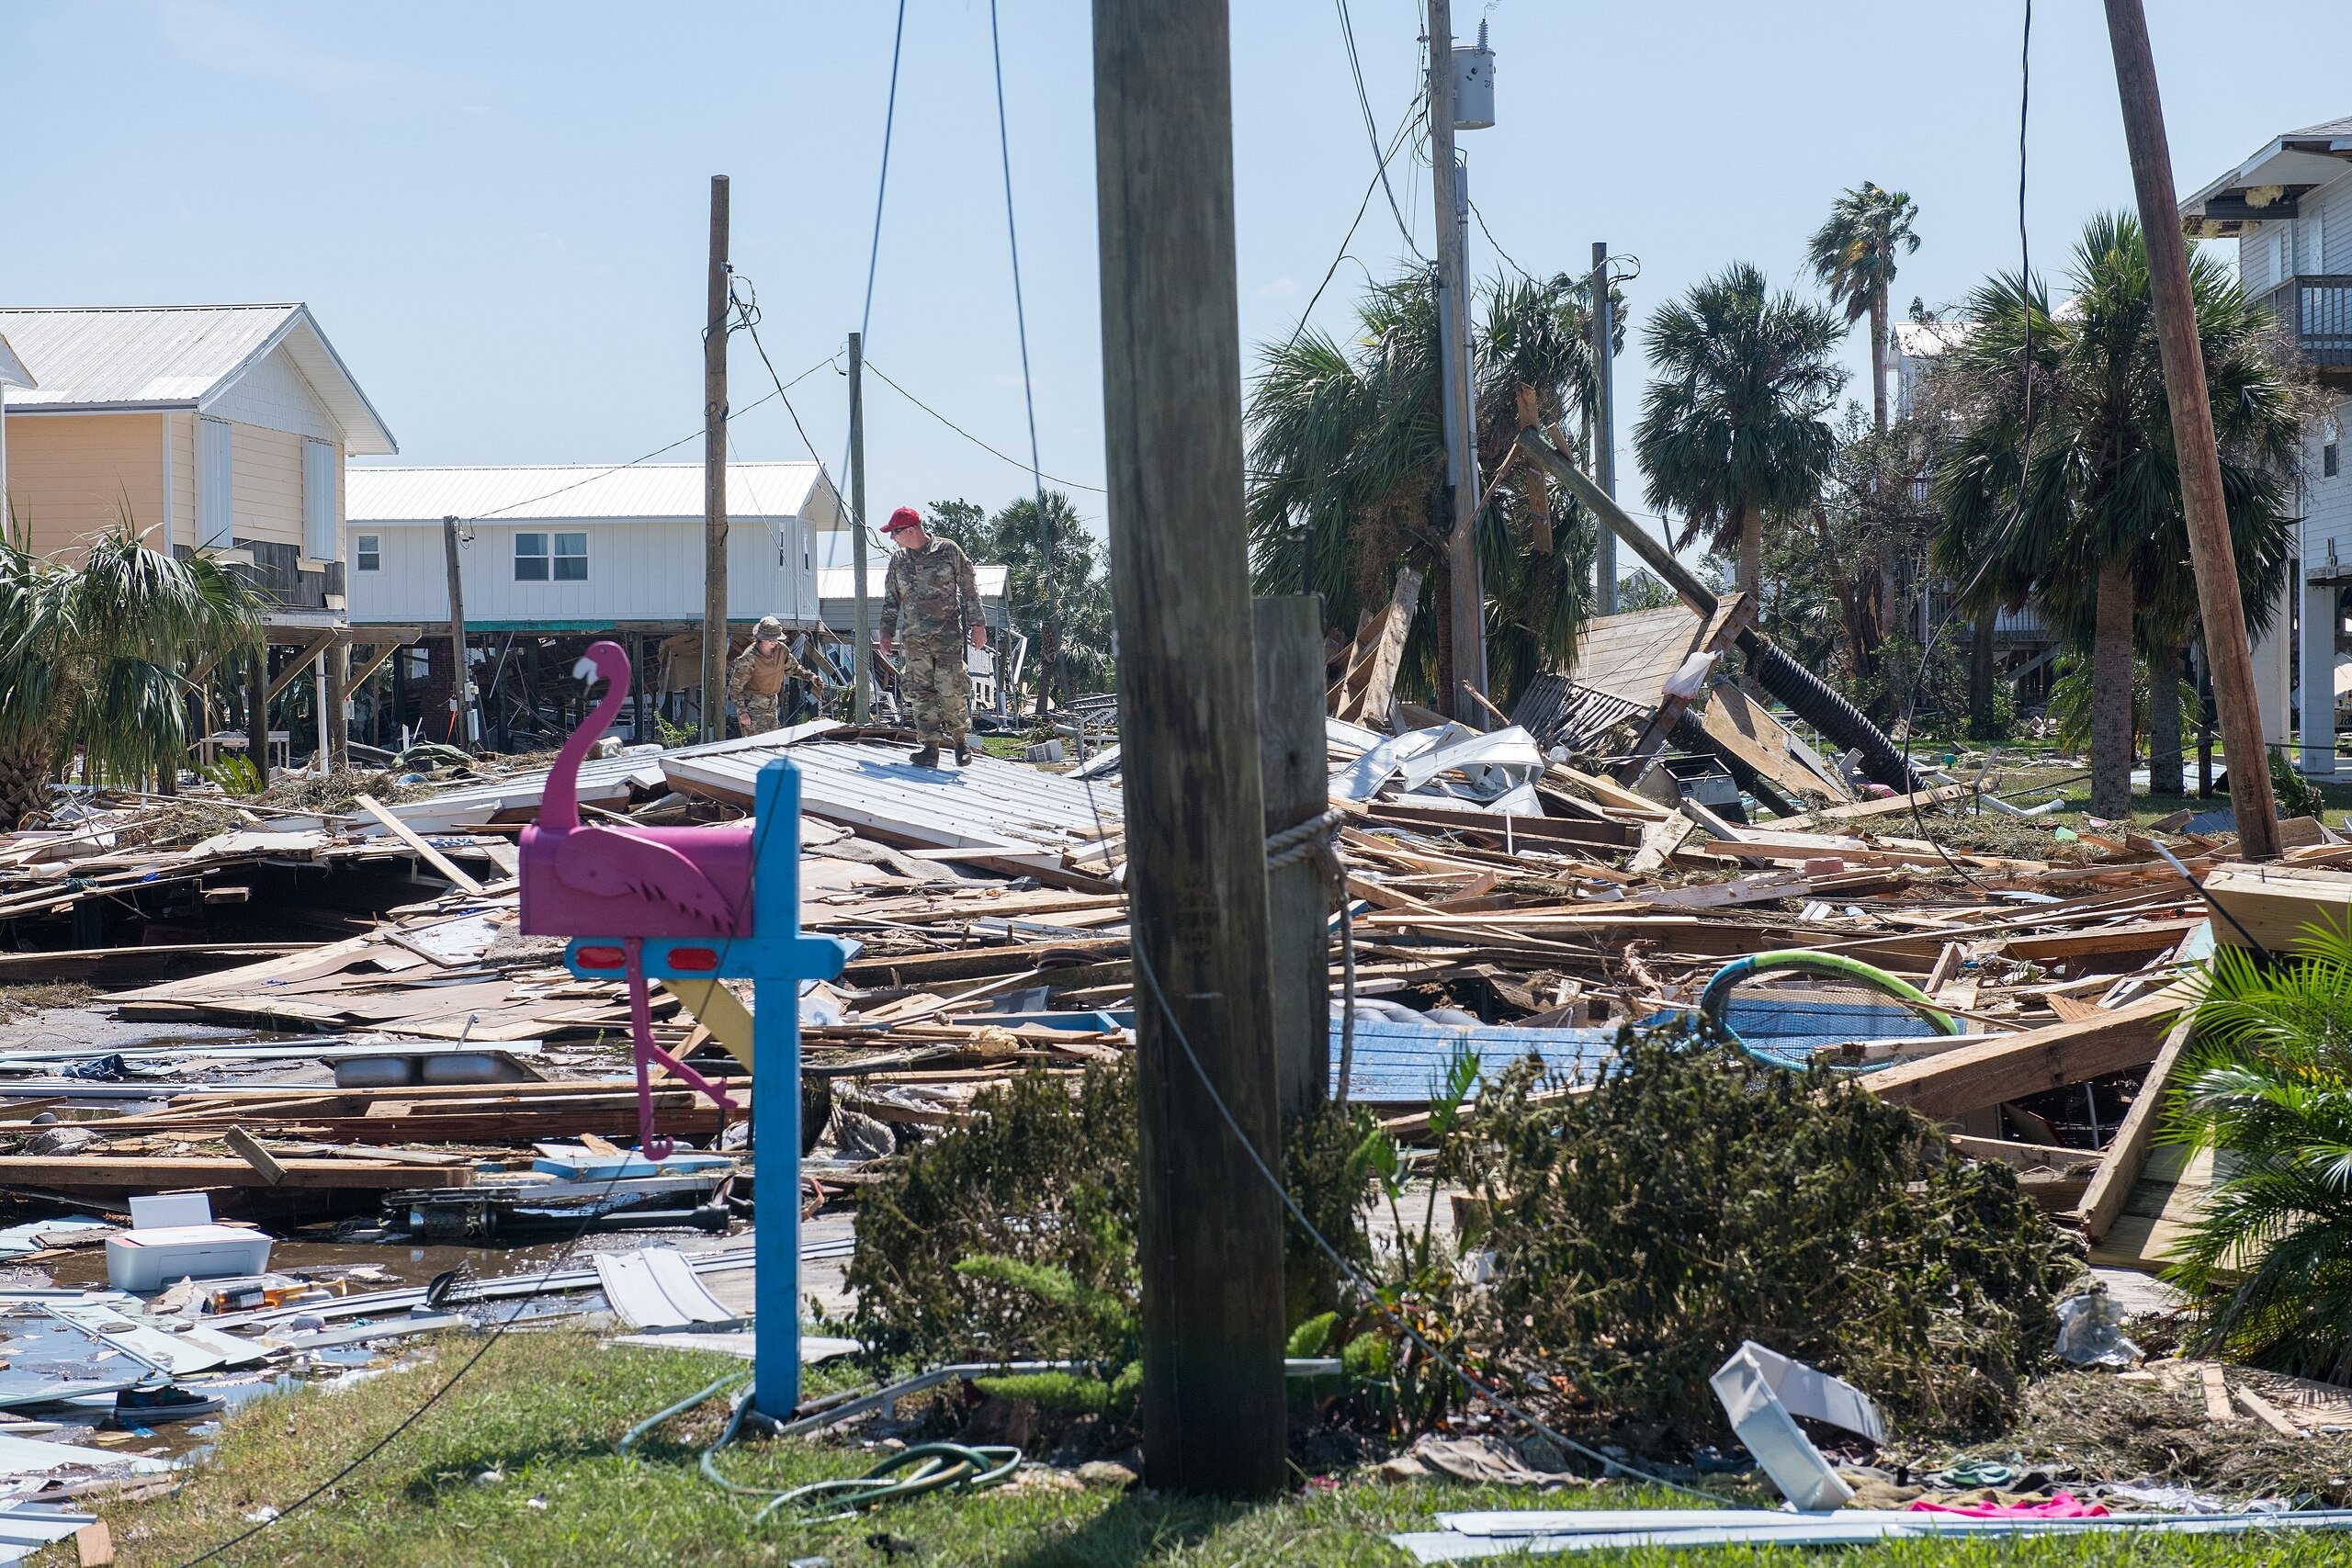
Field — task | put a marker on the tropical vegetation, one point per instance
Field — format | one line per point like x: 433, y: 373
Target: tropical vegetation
x: 92, y: 660
x: 1347, y: 471
x: 1853, y: 256
x: 2061, y: 482
x: 2268, y: 1090
x: 1055, y: 587
x: 1734, y: 427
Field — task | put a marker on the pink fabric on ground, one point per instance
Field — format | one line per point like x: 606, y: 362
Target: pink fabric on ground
x: 2060, y: 1505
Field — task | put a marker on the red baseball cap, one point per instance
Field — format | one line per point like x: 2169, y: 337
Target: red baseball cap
x: 905, y: 517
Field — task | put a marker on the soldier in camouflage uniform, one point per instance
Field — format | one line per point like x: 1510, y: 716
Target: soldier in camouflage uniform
x: 931, y: 587
x: 756, y: 679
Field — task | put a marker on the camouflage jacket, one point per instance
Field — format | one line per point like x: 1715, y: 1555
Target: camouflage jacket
x: 752, y: 676
x: 934, y: 590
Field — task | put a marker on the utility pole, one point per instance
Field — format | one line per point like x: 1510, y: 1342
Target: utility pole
x: 1209, y: 1228
x: 1466, y: 597
x: 1604, y: 428
x: 860, y: 666
x: 2221, y: 610
x: 714, y: 474
x: 461, y: 676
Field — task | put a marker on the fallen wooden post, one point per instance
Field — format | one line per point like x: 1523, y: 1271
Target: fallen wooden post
x: 433, y: 857
x: 2126, y: 1152
x: 1970, y: 1078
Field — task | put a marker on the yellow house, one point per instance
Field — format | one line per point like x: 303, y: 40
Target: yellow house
x: 209, y: 426
x: 221, y: 428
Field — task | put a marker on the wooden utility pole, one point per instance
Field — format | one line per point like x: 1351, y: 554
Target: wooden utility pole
x: 714, y: 474
x: 1604, y: 429
x: 2221, y: 612
x: 1465, y: 597
x: 1210, y: 1225
x: 461, y: 675
x: 861, y: 655
x: 1293, y: 769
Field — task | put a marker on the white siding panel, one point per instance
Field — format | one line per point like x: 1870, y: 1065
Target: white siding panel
x: 2330, y: 207
x: 215, y: 484
x: 318, y: 500
x: 273, y: 395
x: 637, y: 571
x: 2327, y: 502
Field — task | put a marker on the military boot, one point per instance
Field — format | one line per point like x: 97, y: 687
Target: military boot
x: 925, y: 757
x: 963, y: 750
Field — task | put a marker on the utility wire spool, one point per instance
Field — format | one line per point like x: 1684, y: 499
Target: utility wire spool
x: 1792, y: 1008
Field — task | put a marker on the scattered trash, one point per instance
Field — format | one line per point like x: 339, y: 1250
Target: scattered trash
x: 2090, y: 1331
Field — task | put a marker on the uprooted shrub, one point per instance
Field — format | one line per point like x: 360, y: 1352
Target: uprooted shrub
x: 1696, y: 1198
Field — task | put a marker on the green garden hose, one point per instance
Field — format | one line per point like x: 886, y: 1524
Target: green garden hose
x: 1716, y: 997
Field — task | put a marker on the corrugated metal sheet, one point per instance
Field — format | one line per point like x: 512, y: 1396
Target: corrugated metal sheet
x: 586, y: 492
x: 1398, y: 1063
x: 180, y: 355
x: 1017, y: 814
x: 601, y: 780
x: 130, y: 355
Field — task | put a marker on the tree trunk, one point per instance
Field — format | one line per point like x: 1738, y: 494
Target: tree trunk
x: 1980, y: 677
x: 1878, y: 358
x: 1749, y: 574
x: 24, y: 784
x: 2111, y: 695
x: 2166, y: 763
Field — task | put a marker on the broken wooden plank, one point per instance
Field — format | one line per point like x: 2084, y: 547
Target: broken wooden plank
x: 2216, y: 1390
x: 2126, y: 1152
x: 1891, y: 806
x: 142, y: 1173
x: 2265, y: 1412
x: 1969, y: 1078
x: 433, y: 857
x: 2280, y: 904
x: 248, y: 1148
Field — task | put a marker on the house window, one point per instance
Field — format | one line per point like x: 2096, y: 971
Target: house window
x: 368, y: 552
x: 571, y: 557
x: 530, y: 557
x: 2328, y: 463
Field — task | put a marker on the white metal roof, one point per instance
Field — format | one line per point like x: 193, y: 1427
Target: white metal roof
x: 841, y: 581
x: 586, y: 492
x: 12, y: 369
x: 179, y: 356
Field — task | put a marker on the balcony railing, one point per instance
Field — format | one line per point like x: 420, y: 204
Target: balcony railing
x: 2318, y: 310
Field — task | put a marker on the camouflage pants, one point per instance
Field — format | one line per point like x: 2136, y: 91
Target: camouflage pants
x: 755, y: 713
x: 937, y: 691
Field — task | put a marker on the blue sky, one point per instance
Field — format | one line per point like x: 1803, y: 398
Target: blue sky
x: 498, y: 210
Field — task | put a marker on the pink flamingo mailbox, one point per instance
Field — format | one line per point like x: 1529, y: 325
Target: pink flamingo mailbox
x: 701, y: 903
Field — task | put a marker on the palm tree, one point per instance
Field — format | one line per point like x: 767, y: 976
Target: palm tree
x: 90, y: 659
x: 1072, y: 599
x: 2099, y: 537
x: 1347, y: 471
x: 1853, y: 256
x: 2270, y: 1089
x: 1735, y: 424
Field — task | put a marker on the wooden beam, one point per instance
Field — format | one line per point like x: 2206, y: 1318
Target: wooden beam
x: 297, y: 664
x: 121, y: 1173
x: 1293, y: 764
x: 375, y: 661
x: 433, y: 857
x: 2126, y: 1152
x: 1969, y: 1078
x: 248, y: 1148
x: 1899, y: 805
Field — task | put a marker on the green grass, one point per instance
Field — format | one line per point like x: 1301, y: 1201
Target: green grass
x: 545, y: 1410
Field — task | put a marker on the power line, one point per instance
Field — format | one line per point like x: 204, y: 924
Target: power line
x: 1499, y: 244
x: 1379, y: 177
x: 874, y: 247
x: 1372, y: 130
x: 603, y: 473
x: 1001, y: 457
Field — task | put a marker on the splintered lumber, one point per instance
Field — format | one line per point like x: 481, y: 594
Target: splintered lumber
x: 2265, y: 1412
x: 1366, y: 691
x: 2217, y: 1395
x: 117, y: 967
x: 1891, y: 806
x: 145, y: 1173
x: 2280, y: 904
x: 401, y: 831
x: 1970, y: 1078
x: 1746, y: 731
x: 2126, y: 1152
x: 1547, y: 830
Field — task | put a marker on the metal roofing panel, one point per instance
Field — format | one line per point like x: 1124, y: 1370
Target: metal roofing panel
x: 579, y: 492
x: 115, y: 355
x: 1023, y: 814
